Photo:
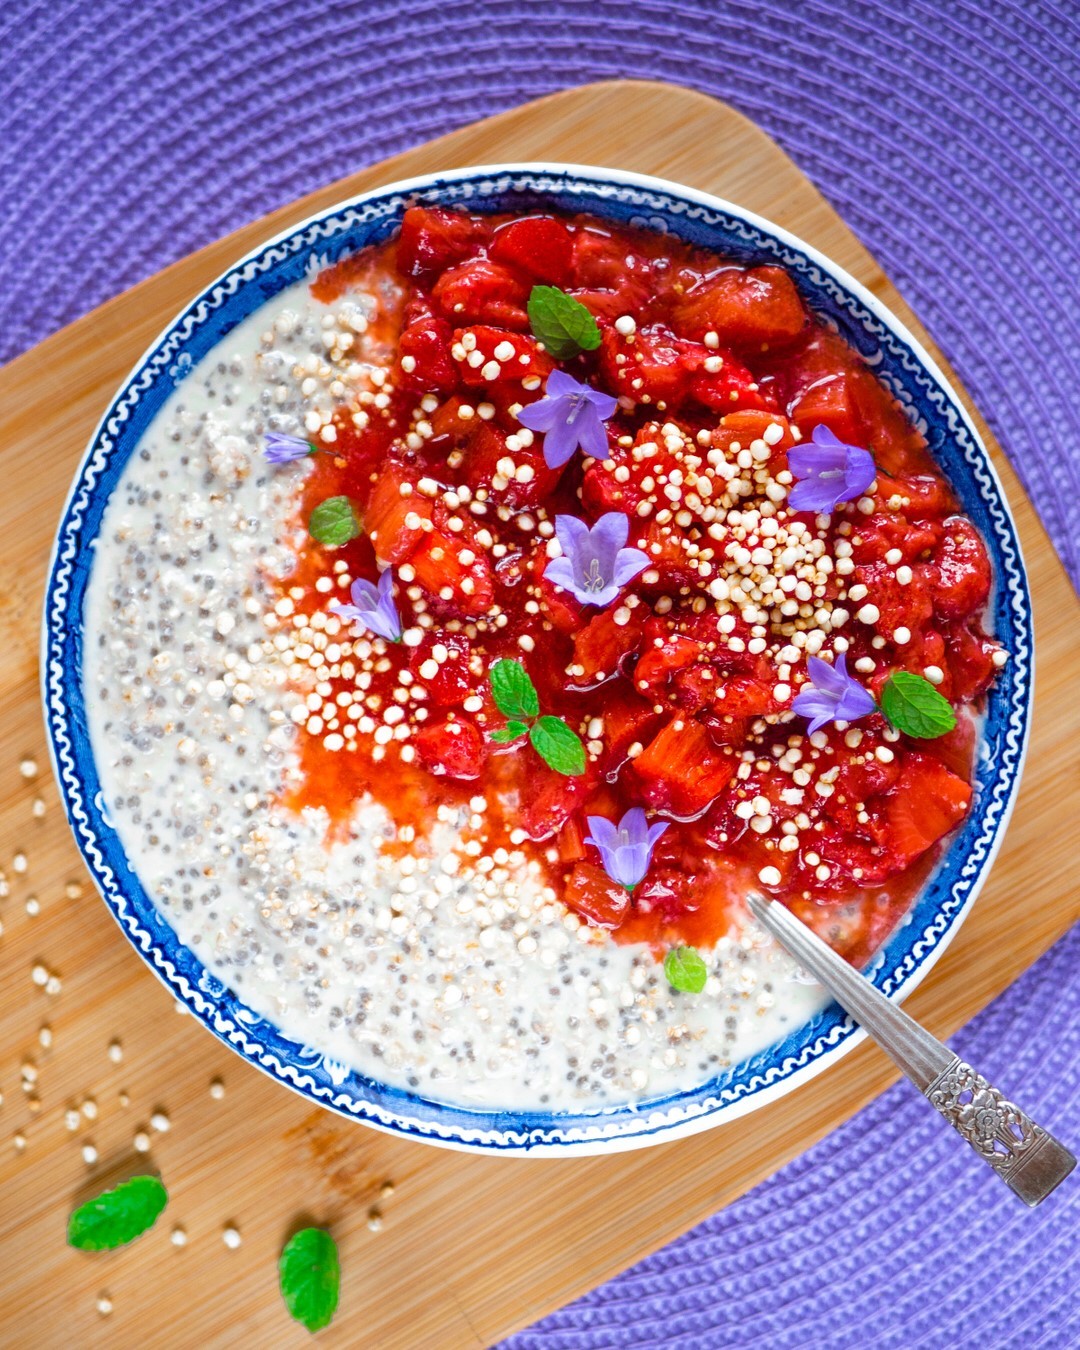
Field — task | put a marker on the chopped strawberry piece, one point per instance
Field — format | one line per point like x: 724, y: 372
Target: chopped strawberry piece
x: 481, y: 291
x: 670, y: 892
x: 453, y: 680
x: 525, y: 359
x: 969, y: 663
x: 730, y: 385
x: 696, y: 687
x: 433, y: 239
x: 896, y: 445
x: 831, y: 403
x: 670, y: 567
x: 745, y: 426
x: 961, y: 570
x: 745, y: 308
x: 744, y: 696
x: 899, y: 606
x: 610, y: 276
x: 631, y: 298
x: 956, y: 749
x: 591, y: 893
x: 681, y: 771
x: 559, y: 607
x: 927, y: 802
x: 724, y: 823
x: 599, y: 259
x: 456, y: 576
x: 424, y: 350
x: 882, y: 532
x: 450, y: 749
x: 860, y: 780
x: 605, y: 488
x: 601, y: 491
x: 550, y: 799
x: 518, y: 478
x: 652, y: 368
x: 394, y: 519
x: 733, y: 386
x: 825, y: 383
x: 539, y: 246
x: 924, y: 494
x: 849, y: 859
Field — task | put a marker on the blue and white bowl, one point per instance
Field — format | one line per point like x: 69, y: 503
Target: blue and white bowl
x: 625, y: 198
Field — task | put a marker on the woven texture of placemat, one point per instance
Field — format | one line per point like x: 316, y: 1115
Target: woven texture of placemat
x: 947, y: 136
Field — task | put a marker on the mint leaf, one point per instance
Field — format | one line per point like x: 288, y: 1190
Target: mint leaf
x: 117, y: 1216
x: 686, y: 972
x: 559, y: 747
x: 310, y: 1277
x: 514, y: 693
x: 511, y: 732
x: 915, y: 707
x: 561, y: 323
x: 333, y: 522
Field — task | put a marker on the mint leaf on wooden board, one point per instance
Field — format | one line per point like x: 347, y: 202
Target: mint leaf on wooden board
x: 559, y: 747
x: 334, y: 522
x: 561, y: 323
x: 514, y: 693
x: 915, y: 707
x: 310, y: 1277
x: 685, y: 971
x: 117, y: 1216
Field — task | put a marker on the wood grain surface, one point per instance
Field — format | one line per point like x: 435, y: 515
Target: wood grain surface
x: 470, y: 1247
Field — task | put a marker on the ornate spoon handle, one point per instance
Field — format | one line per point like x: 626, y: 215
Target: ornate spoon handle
x: 1029, y: 1160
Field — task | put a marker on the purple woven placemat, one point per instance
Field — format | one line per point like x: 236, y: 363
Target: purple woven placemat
x: 947, y: 135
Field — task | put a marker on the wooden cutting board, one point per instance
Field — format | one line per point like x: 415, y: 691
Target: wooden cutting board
x: 471, y: 1248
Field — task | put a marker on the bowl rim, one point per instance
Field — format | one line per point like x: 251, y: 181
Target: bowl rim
x: 488, y: 1131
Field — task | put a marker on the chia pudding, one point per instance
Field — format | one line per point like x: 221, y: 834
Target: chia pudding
x: 484, y: 830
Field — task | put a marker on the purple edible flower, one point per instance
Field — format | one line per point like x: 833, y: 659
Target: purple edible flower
x: 572, y: 415
x: 625, y: 849
x: 595, y: 565
x: 283, y: 449
x: 835, y: 696
x: 829, y: 473
x: 372, y: 607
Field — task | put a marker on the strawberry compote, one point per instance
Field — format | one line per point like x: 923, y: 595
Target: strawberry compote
x: 681, y: 688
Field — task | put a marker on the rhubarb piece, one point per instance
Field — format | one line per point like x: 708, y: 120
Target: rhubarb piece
x: 591, y: 893
x: 681, y: 771
x: 396, y: 514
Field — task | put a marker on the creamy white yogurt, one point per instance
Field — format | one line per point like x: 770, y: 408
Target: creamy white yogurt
x: 421, y: 972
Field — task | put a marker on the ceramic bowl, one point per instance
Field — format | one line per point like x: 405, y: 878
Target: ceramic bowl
x: 625, y: 198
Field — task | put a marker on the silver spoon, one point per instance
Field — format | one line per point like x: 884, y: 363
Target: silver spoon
x: 1029, y: 1160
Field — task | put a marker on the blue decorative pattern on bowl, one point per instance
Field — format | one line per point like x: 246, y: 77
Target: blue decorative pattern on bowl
x: 709, y: 222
